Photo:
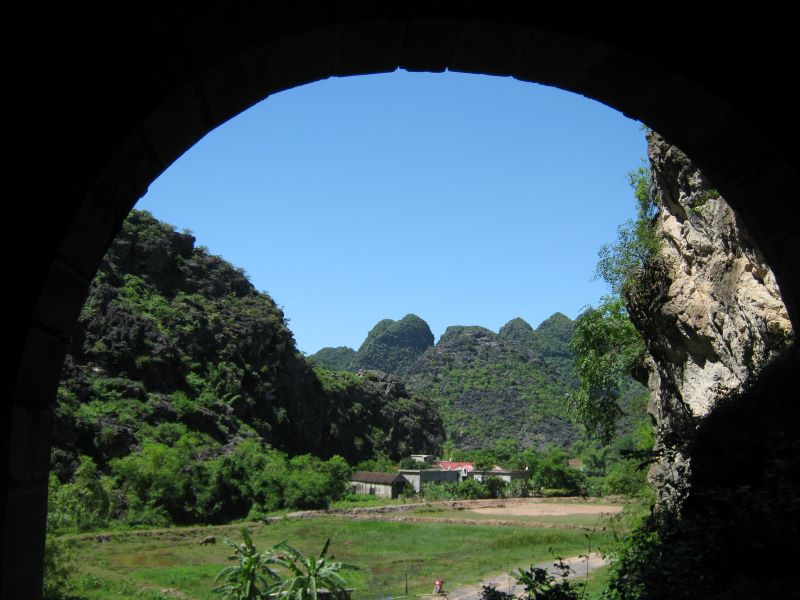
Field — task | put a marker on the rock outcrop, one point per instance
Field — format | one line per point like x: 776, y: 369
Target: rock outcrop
x: 707, y: 305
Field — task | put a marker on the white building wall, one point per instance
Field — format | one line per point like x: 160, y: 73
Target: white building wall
x: 418, y: 478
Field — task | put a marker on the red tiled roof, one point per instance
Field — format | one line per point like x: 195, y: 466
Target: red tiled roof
x: 451, y: 465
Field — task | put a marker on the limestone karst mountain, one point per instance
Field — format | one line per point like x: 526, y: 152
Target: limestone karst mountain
x: 174, y: 337
x: 513, y: 385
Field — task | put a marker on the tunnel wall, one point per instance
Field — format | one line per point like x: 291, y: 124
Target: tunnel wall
x: 101, y: 104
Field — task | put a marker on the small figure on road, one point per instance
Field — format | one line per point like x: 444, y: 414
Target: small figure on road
x: 438, y: 586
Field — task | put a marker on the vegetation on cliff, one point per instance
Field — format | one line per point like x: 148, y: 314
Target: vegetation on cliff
x: 181, y: 373
x: 606, y: 344
x: 390, y: 346
x: 725, y: 460
x: 511, y: 389
x: 335, y: 359
x: 550, y: 340
x: 491, y: 387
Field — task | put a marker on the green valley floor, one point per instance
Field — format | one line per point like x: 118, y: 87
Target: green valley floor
x: 410, y: 548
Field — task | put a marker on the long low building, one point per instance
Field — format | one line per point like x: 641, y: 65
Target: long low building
x: 503, y: 474
x: 385, y: 485
x: 418, y: 477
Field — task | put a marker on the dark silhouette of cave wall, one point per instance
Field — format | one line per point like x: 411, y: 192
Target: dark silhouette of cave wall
x: 97, y: 105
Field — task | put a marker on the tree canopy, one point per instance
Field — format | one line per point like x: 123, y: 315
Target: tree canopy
x: 606, y: 344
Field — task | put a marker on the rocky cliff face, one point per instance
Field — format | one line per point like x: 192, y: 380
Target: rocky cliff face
x: 708, y: 306
x: 172, y: 337
x: 489, y: 386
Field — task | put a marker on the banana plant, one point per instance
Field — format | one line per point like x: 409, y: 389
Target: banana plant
x: 251, y: 578
x: 309, y: 577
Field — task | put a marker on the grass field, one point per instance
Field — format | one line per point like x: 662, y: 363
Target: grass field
x: 170, y: 563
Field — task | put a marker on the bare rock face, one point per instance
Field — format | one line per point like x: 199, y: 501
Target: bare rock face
x: 708, y: 306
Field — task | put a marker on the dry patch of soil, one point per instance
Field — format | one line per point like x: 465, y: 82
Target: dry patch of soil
x: 546, y: 509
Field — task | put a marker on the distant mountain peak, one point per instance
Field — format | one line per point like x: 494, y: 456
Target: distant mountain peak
x: 393, y: 346
x: 555, y: 318
x: 517, y: 329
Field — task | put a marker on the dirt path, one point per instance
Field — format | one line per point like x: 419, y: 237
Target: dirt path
x: 580, y: 565
x: 472, y: 522
x: 547, y: 509
x: 518, y: 507
x: 513, y: 507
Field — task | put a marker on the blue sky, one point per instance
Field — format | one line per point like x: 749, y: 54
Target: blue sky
x: 465, y: 199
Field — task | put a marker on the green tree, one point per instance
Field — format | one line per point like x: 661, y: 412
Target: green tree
x: 626, y: 477
x: 554, y: 475
x: 313, y: 483
x: 306, y: 490
x: 637, y: 241
x: 160, y: 482
x: 269, y: 483
x: 246, y: 480
x: 606, y: 347
x: 606, y: 344
x: 82, y: 504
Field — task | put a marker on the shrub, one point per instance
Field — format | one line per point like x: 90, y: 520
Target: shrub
x: 83, y: 504
x: 627, y: 477
x: 58, y: 565
x: 552, y: 475
x: 540, y: 585
x: 495, y: 487
x: 434, y: 491
x: 306, y: 490
x: 519, y: 488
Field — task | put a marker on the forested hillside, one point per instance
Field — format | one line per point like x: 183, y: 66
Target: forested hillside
x: 550, y: 340
x: 390, y: 346
x: 514, y: 385
x: 489, y: 387
x: 174, y: 344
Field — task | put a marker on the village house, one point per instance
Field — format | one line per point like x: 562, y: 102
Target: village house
x: 463, y: 468
x: 506, y: 475
x: 418, y: 477
x: 384, y: 485
x: 424, y: 458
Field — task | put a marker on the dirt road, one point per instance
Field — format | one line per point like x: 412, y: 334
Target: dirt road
x: 504, y: 583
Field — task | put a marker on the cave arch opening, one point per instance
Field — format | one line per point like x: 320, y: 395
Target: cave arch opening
x: 694, y: 118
